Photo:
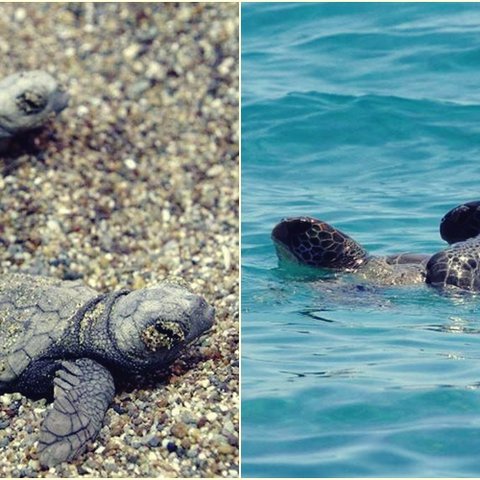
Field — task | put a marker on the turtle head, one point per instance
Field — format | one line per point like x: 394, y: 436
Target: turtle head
x: 153, y: 325
x: 312, y: 242
x: 28, y: 99
x: 461, y: 223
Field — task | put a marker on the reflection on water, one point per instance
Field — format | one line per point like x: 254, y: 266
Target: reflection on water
x: 315, y: 314
x: 347, y: 372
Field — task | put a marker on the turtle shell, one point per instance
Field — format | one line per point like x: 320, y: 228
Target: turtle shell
x: 35, y: 315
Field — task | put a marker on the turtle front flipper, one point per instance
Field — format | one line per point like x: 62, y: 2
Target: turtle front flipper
x: 83, y: 390
x: 316, y: 243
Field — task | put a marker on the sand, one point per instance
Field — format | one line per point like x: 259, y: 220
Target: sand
x: 136, y: 182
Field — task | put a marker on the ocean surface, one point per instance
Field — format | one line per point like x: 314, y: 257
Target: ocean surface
x: 368, y: 117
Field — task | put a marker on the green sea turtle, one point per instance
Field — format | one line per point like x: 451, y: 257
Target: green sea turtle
x: 27, y: 100
x: 315, y: 243
x: 64, y: 339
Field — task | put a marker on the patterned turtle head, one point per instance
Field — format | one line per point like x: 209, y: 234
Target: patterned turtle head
x: 315, y: 243
x: 152, y: 326
x: 27, y: 99
x: 461, y: 223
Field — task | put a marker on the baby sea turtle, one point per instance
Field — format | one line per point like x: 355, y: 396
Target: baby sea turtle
x: 65, y: 337
x: 315, y: 243
x: 27, y: 101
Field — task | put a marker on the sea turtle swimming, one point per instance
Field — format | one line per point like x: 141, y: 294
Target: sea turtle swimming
x: 64, y: 339
x: 27, y: 100
x: 315, y: 243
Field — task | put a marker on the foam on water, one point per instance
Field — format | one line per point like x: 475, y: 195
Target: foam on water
x: 368, y: 118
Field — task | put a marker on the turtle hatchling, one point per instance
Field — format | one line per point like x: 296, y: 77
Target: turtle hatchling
x: 64, y: 339
x: 27, y: 100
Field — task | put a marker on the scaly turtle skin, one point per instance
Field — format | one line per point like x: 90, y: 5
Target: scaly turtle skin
x: 315, y: 243
x: 64, y: 337
x: 27, y: 101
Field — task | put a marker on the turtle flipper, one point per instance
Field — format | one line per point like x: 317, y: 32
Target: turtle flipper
x: 316, y: 243
x: 83, y: 390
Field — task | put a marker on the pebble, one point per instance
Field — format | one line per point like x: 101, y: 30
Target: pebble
x: 130, y: 163
x: 82, y: 110
x: 155, y: 71
x: 172, y: 447
x: 179, y: 429
x: 137, y: 89
x: 225, y: 448
x: 132, y: 51
x: 188, y: 418
x: 20, y: 15
x: 154, y: 441
x: 211, y: 416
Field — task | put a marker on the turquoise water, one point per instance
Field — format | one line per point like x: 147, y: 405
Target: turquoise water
x: 366, y: 116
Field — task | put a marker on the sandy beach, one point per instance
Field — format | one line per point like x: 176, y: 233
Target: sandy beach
x: 134, y: 183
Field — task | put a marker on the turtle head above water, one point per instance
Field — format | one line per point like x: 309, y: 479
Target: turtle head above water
x: 461, y: 223
x: 316, y: 243
x: 152, y: 326
x: 27, y: 99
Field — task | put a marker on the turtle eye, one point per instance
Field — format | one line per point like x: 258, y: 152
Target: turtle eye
x: 31, y: 102
x: 171, y: 329
x: 163, y: 334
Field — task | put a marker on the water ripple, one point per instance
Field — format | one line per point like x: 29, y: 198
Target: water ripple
x: 366, y: 117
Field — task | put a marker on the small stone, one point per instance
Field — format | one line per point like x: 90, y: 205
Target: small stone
x: 186, y: 443
x: 215, y: 171
x: 130, y: 163
x: 155, y: 72
x: 202, y: 421
x: 154, y: 441
x: 119, y: 409
x: 179, y: 429
x: 225, y: 448
x: 211, y: 416
x: 171, y: 447
x: 4, y: 442
x: 116, y: 429
x: 137, y: 89
x: 225, y: 67
x: 188, y: 418
x: 147, y: 36
x: 232, y: 439
x: 138, y: 283
x: 100, y: 449
x: 110, y: 467
x: 204, y: 383
x: 82, y: 110
x: 132, y: 458
x: 132, y: 51
x: 20, y: 15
